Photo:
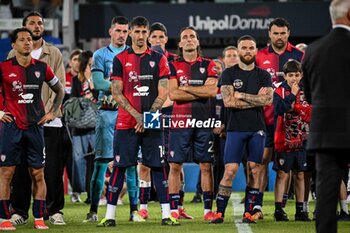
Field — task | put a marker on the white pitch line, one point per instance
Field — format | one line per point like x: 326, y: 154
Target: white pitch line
x: 238, y: 210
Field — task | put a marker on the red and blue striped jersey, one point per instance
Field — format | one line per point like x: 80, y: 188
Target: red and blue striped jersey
x: 140, y: 74
x: 21, y: 87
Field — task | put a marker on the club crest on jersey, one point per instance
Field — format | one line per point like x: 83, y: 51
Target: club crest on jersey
x: 202, y: 70
x: 172, y: 153
x: 37, y: 74
x: 117, y: 158
x: 3, y: 158
x: 152, y: 63
x: 281, y: 161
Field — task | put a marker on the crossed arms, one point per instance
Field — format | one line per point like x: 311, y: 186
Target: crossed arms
x: 240, y: 100
x: 190, y: 93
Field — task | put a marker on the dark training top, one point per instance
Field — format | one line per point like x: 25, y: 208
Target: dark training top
x: 250, y: 82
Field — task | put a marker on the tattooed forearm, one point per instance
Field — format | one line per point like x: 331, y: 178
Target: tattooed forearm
x: 260, y: 99
x: 117, y: 92
x: 163, y: 83
x: 58, y: 89
x: 157, y: 104
x: 230, y: 101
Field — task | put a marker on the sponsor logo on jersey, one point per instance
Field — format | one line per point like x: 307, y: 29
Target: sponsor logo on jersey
x: 133, y: 76
x: 128, y: 64
x: 12, y: 75
x: 26, y: 98
x: 266, y: 62
x: 17, y: 86
x: 141, y: 91
x: 183, y: 80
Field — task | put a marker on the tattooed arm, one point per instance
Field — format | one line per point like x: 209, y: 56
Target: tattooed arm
x: 117, y: 92
x: 162, y: 95
x: 176, y: 94
x: 208, y: 90
x: 57, y: 102
x: 263, y: 98
x: 230, y: 101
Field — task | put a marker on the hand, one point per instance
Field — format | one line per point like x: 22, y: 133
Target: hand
x: 47, y: 118
x: 238, y: 95
x: 209, y: 81
x: 139, y: 123
x: 219, y: 130
x: 295, y: 88
x: 262, y: 91
x: 216, y: 131
x: 5, y: 117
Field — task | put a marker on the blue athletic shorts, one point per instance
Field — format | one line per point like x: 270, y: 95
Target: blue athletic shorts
x: 236, y: 141
x: 127, y: 143
x: 186, y: 145
x: 290, y: 161
x: 14, y: 142
x: 104, y: 131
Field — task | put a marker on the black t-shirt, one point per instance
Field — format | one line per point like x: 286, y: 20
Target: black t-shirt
x: 250, y: 82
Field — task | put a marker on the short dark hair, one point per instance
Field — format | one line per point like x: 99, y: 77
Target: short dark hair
x: 158, y: 27
x: 292, y: 66
x: 14, y: 34
x: 279, y: 22
x: 246, y: 37
x: 32, y: 13
x: 139, y: 21
x: 74, y: 53
x: 119, y: 20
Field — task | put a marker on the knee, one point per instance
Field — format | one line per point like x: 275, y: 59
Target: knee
x: 38, y: 175
x: 144, y: 172
x: 6, y: 176
x: 281, y: 175
x: 230, y: 173
x: 254, y: 169
x: 175, y: 168
x: 206, y: 169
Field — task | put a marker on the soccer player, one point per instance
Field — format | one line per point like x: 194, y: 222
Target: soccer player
x: 292, y: 117
x: 21, y: 78
x: 272, y: 58
x: 193, y: 83
x: 53, y: 135
x: 139, y: 84
x: 106, y: 118
x: 245, y: 89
